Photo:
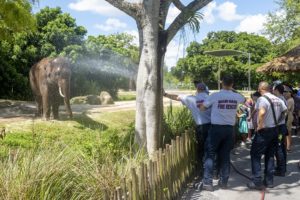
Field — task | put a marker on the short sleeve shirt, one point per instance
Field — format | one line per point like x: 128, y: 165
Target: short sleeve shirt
x: 279, y: 107
x: 224, y: 106
x: 193, y: 103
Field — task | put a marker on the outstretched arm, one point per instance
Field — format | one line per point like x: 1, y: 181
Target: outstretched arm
x: 172, y: 96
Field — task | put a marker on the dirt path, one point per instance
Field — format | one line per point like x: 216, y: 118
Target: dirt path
x: 14, y: 111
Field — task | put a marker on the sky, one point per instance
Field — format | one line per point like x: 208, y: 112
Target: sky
x: 99, y: 17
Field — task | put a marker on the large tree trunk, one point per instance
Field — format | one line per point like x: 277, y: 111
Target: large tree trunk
x: 149, y: 99
x: 150, y: 16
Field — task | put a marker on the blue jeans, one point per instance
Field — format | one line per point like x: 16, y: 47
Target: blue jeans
x: 280, y: 152
x: 219, y: 141
x: 201, y: 135
x: 264, y: 143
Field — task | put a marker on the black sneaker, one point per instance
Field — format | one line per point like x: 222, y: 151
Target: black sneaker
x: 201, y: 186
x: 278, y: 173
x: 253, y: 186
x: 222, y: 185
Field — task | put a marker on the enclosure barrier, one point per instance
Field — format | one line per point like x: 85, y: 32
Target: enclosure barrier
x: 163, y: 176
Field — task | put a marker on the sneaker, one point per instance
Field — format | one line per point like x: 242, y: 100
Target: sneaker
x: 253, y: 186
x: 248, y: 141
x: 201, y: 186
x: 222, y: 185
x: 278, y: 173
x: 216, y: 175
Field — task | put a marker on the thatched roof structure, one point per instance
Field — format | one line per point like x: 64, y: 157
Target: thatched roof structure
x: 289, y: 62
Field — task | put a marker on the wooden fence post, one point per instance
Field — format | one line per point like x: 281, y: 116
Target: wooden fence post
x: 151, y: 179
x: 141, y: 181
x: 135, y: 188
x: 124, y: 190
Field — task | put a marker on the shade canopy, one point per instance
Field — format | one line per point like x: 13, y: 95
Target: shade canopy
x: 288, y: 62
x: 224, y: 52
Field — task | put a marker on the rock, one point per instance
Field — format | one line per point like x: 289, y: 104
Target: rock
x: 93, y: 100
x: 106, y: 98
x: 78, y: 100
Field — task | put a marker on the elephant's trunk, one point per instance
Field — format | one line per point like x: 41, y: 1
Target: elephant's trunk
x: 61, y: 94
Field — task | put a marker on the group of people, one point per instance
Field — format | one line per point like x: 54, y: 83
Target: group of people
x: 266, y: 118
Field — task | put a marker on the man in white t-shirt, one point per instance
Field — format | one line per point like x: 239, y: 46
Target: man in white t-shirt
x: 266, y: 137
x: 219, y: 141
x: 202, y: 119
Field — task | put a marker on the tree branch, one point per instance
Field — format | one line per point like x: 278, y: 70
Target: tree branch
x: 163, y: 12
x: 181, y: 19
x: 131, y: 9
x: 178, y: 4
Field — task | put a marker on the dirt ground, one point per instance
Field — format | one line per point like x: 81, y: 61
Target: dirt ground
x: 13, y: 111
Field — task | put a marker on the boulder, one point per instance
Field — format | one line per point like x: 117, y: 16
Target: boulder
x: 106, y: 98
x: 93, y: 100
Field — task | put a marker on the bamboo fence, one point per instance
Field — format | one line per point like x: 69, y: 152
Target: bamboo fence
x: 162, y: 177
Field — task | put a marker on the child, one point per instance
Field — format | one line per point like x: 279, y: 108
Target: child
x: 243, y: 126
x: 250, y: 107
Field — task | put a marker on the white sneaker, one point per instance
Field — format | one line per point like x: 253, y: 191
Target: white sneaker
x: 242, y: 144
x: 248, y: 141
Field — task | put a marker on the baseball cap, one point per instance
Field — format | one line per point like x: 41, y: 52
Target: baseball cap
x: 201, y: 86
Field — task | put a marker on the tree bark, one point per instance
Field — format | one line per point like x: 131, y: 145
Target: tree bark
x: 149, y: 86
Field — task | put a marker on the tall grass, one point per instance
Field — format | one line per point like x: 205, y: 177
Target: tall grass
x: 49, y: 174
x: 65, y: 160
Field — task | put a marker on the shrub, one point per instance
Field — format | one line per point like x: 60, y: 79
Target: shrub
x: 176, y: 121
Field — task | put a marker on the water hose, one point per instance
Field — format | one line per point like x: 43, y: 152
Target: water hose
x: 263, y: 191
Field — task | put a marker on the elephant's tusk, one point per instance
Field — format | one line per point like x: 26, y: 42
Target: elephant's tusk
x: 61, y: 94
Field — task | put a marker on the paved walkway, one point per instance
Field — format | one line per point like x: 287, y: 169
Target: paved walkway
x: 285, y: 187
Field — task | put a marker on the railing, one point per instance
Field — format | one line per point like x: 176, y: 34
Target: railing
x: 163, y: 176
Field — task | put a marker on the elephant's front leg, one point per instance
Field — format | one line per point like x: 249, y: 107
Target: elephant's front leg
x: 46, y: 104
x: 55, y: 105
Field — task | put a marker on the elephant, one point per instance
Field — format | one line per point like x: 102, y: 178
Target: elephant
x: 50, y: 79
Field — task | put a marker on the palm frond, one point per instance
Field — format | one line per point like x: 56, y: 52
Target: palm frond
x: 193, y: 21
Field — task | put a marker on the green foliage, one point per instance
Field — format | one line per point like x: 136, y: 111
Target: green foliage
x: 176, y: 121
x: 58, y: 33
x: 15, y: 16
x: 126, y: 96
x: 283, y: 26
x: 203, y: 67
